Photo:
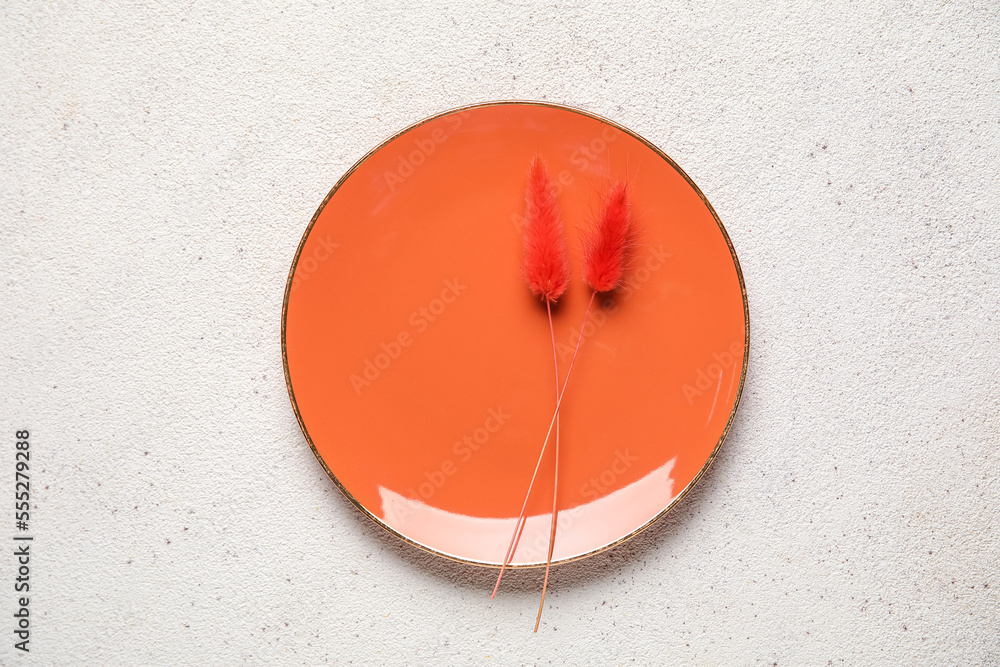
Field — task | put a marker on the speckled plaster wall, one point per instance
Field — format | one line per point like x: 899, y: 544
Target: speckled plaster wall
x: 161, y: 160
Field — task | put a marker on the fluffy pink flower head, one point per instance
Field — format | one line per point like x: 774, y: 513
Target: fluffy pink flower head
x: 605, y: 248
x: 546, y: 260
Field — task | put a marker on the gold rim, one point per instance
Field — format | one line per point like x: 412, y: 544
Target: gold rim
x: 746, y: 321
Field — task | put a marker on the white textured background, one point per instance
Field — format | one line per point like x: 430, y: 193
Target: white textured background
x: 158, y: 165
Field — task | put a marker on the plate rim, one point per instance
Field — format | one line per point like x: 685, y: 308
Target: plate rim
x: 469, y: 107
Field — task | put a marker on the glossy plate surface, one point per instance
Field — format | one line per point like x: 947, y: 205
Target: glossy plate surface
x: 420, y: 366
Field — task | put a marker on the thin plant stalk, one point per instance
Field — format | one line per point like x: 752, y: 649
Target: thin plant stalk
x: 515, y: 538
x: 555, y: 480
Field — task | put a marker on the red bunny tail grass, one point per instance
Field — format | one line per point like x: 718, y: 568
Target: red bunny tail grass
x: 606, y: 245
x: 546, y: 260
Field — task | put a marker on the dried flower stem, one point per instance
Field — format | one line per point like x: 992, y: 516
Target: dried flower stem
x: 555, y: 480
x: 519, y: 527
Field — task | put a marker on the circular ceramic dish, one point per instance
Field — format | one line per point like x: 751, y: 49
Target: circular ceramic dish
x: 420, y: 366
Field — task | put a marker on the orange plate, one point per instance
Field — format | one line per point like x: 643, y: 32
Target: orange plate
x: 420, y: 366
